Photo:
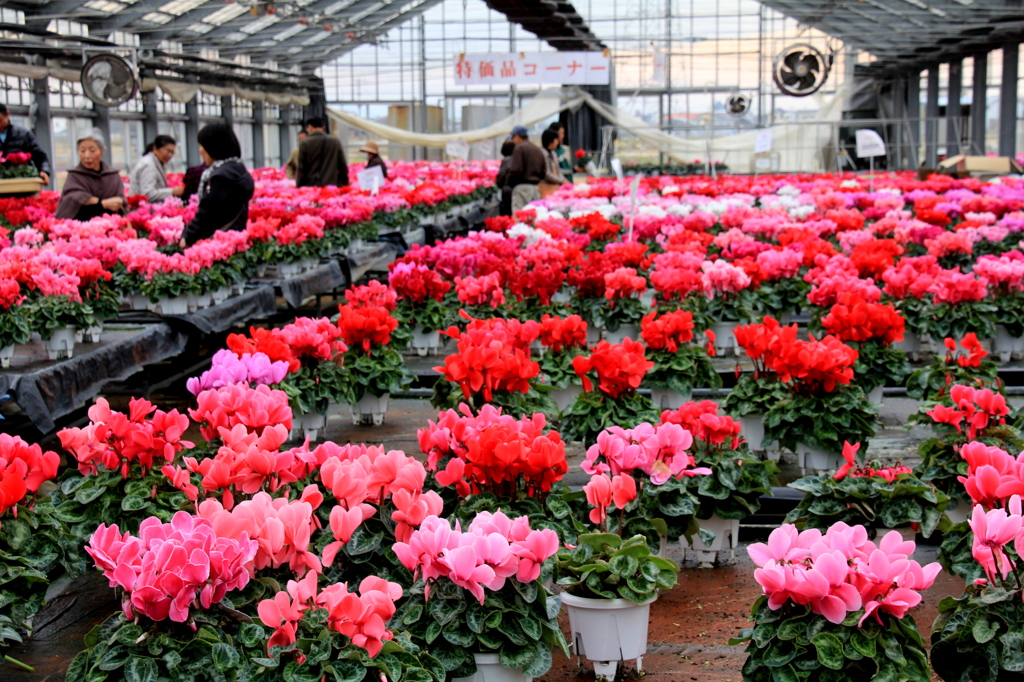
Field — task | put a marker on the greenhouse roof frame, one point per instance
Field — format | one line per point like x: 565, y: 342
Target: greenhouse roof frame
x: 907, y: 34
x: 293, y: 33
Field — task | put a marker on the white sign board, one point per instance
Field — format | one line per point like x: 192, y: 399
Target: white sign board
x: 371, y: 179
x: 659, y: 66
x: 533, y: 68
x: 869, y: 144
x: 617, y: 167
x: 457, y: 148
x: 763, y: 141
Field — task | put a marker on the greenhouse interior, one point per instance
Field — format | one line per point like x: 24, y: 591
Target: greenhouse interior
x: 502, y: 340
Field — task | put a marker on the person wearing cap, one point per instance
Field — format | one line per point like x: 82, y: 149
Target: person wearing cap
x: 93, y: 187
x: 526, y: 170
x: 373, y: 159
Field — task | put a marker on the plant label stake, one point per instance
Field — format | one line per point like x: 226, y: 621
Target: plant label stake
x: 634, y: 188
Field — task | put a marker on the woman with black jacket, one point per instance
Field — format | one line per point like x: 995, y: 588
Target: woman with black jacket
x: 225, y: 188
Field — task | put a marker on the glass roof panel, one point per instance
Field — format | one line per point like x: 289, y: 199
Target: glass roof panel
x: 157, y: 17
x: 316, y: 38
x: 105, y: 6
x: 225, y: 14
x: 292, y: 30
x: 179, y: 7
x: 260, y: 24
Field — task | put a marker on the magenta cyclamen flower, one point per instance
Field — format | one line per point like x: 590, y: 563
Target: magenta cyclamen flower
x: 170, y: 566
x: 840, y: 572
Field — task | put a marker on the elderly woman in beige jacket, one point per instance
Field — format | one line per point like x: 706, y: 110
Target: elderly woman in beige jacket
x: 149, y: 177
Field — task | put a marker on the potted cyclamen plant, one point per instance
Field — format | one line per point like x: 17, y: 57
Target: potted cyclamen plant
x: 1005, y: 276
x: 756, y: 392
x: 870, y: 495
x: 839, y: 613
x: 18, y: 175
x: 728, y: 300
x: 679, y: 365
x: 376, y: 369
x: 966, y: 367
x: 313, y: 352
x: 977, y: 636
x: 491, y: 365
x: 610, y: 577
x: 975, y: 416
x: 562, y: 339
x: 57, y: 314
x: 619, y: 369
x: 420, y: 294
x: 959, y: 306
x: 15, y: 324
x: 821, y: 409
x: 480, y: 590
x: 872, y: 329
x: 733, y: 489
x: 623, y: 309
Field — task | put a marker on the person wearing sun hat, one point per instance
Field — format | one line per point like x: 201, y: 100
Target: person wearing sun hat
x: 372, y: 152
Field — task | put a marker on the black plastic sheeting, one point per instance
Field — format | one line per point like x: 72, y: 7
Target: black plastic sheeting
x: 327, y: 277
x: 255, y: 304
x: 48, y: 392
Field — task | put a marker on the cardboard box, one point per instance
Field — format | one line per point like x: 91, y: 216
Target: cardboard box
x: 989, y: 165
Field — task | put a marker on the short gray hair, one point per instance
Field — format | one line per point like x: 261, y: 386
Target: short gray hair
x: 96, y: 135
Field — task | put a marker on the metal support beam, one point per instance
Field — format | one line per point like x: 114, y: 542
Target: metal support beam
x: 43, y: 127
x: 102, y: 121
x: 192, y: 132
x: 423, y: 83
x: 914, y: 115
x: 227, y: 109
x: 899, y: 113
x: 931, y: 123
x: 259, y: 153
x: 979, y: 102
x: 151, y: 122
x: 284, y: 132
x: 1008, y: 101
x: 954, y: 115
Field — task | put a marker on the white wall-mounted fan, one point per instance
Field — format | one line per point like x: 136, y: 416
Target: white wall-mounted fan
x: 801, y: 70
x: 737, y: 105
x: 109, y: 80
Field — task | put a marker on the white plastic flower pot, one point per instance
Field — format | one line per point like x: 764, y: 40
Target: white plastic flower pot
x: 307, y: 425
x: 61, y: 345
x: 606, y: 631
x: 370, y: 410
x: 727, y: 534
x: 647, y: 298
x: 490, y: 669
x: 6, y: 353
x: 261, y: 269
x: 1003, y: 344
x: 630, y: 331
x: 203, y: 301
x: 92, y: 334
x: 424, y: 342
x: 178, y: 305
x: 138, y: 302
x: 238, y: 288
x: 815, y: 461
x: 289, y: 270
x: 668, y: 399
x: 310, y: 264
x: 876, y: 394
x: 563, y: 295
x: 593, y: 335
x: 725, y: 340
x: 355, y: 245
x: 752, y: 428
x: 221, y: 295
x: 565, y: 397
x: 79, y: 336
x: 910, y: 345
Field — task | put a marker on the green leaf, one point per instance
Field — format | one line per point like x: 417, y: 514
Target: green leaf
x: 779, y: 654
x: 624, y: 565
x: 224, y: 656
x: 830, y: 650
x: 983, y: 631
x: 133, y: 503
x: 139, y: 669
x: 540, y: 663
x: 348, y: 671
x: 791, y: 629
x: 862, y: 643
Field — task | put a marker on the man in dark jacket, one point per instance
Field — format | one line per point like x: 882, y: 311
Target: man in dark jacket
x: 527, y: 169
x: 321, y: 159
x: 16, y: 139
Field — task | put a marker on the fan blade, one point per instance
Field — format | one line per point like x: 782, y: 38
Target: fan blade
x: 789, y: 78
x: 807, y: 82
x: 812, y: 64
x: 793, y: 60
